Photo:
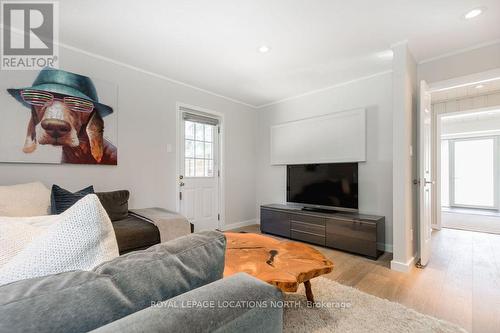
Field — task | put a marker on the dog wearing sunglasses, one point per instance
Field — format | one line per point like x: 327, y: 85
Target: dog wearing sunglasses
x: 60, y: 122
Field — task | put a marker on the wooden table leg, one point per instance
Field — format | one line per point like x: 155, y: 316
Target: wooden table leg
x: 309, y: 293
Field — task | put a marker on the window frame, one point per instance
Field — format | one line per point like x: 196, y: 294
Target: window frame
x: 215, y: 152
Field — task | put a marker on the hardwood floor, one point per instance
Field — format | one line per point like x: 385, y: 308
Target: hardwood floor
x: 461, y: 283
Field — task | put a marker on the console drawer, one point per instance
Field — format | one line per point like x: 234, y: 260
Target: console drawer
x: 363, y: 230
x: 307, y: 227
x: 274, y: 222
x: 308, y: 237
x: 354, y: 245
x: 308, y: 219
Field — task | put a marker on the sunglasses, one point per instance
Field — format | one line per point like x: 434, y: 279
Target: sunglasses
x: 42, y: 98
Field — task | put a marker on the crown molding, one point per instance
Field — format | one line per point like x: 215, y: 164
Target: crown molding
x: 166, y: 78
x: 141, y: 70
x: 253, y: 106
x: 459, y: 51
x: 316, y: 91
x: 150, y: 73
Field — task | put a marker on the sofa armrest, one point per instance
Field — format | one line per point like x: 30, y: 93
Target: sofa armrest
x: 239, y: 303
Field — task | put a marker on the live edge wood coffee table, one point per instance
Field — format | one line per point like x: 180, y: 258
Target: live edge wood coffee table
x: 284, y: 264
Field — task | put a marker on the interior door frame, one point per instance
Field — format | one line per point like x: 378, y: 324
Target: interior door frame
x: 460, y: 81
x: 425, y: 174
x: 221, y: 154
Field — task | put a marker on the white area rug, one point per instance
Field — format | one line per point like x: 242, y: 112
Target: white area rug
x: 345, y: 309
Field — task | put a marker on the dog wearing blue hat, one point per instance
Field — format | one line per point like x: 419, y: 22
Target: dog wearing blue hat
x: 65, y: 111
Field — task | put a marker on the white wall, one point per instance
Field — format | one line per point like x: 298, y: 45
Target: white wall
x: 375, y: 175
x: 146, y: 124
x: 404, y: 163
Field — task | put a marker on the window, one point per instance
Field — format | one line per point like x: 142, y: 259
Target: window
x: 473, y: 165
x: 198, y: 149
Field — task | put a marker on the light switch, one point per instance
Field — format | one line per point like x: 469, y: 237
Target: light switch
x: 169, y: 147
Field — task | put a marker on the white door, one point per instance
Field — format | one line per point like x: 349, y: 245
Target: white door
x: 425, y: 174
x: 199, y: 170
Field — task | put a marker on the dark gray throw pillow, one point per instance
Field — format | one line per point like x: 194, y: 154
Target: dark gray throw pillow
x: 80, y: 301
x: 62, y: 199
x: 115, y: 203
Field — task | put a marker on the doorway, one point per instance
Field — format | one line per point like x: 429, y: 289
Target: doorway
x: 466, y: 150
x: 463, y: 179
x: 199, y: 167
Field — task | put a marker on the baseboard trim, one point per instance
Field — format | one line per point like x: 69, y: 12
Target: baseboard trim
x: 402, y: 267
x: 239, y: 224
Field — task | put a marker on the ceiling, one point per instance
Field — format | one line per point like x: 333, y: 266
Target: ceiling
x: 473, y: 90
x: 314, y: 44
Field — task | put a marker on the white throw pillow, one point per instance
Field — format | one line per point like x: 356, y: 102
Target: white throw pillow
x: 17, y: 232
x: 32, y: 199
x: 79, y: 239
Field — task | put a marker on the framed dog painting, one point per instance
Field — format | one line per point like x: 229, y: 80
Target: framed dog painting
x: 54, y: 116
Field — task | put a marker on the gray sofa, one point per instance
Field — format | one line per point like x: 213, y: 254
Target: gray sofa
x: 171, y: 287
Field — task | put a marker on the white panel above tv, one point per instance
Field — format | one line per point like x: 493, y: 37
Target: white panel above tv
x: 331, y: 138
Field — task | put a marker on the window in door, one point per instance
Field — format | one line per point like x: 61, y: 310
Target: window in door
x: 473, y: 180
x: 198, y: 149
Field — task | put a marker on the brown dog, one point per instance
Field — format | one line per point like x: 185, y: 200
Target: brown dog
x: 80, y: 134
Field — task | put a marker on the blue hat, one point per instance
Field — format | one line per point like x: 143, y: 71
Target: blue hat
x: 64, y: 83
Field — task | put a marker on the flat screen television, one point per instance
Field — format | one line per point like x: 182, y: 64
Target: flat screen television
x: 332, y: 186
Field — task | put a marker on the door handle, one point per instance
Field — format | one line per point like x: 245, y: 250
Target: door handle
x: 429, y: 182
x: 426, y: 182
x: 181, y: 184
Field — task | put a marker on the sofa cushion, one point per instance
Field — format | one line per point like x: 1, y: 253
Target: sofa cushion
x: 225, y: 310
x: 80, y: 301
x: 32, y: 199
x: 62, y: 199
x: 133, y: 233
x: 80, y: 238
x: 115, y: 203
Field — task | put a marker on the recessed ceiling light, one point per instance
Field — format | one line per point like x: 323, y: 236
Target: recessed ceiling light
x: 264, y: 49
x: 479, y: 86
x: 473, y: 13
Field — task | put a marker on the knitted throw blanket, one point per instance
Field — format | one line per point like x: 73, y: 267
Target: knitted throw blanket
x: 170, y: 224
